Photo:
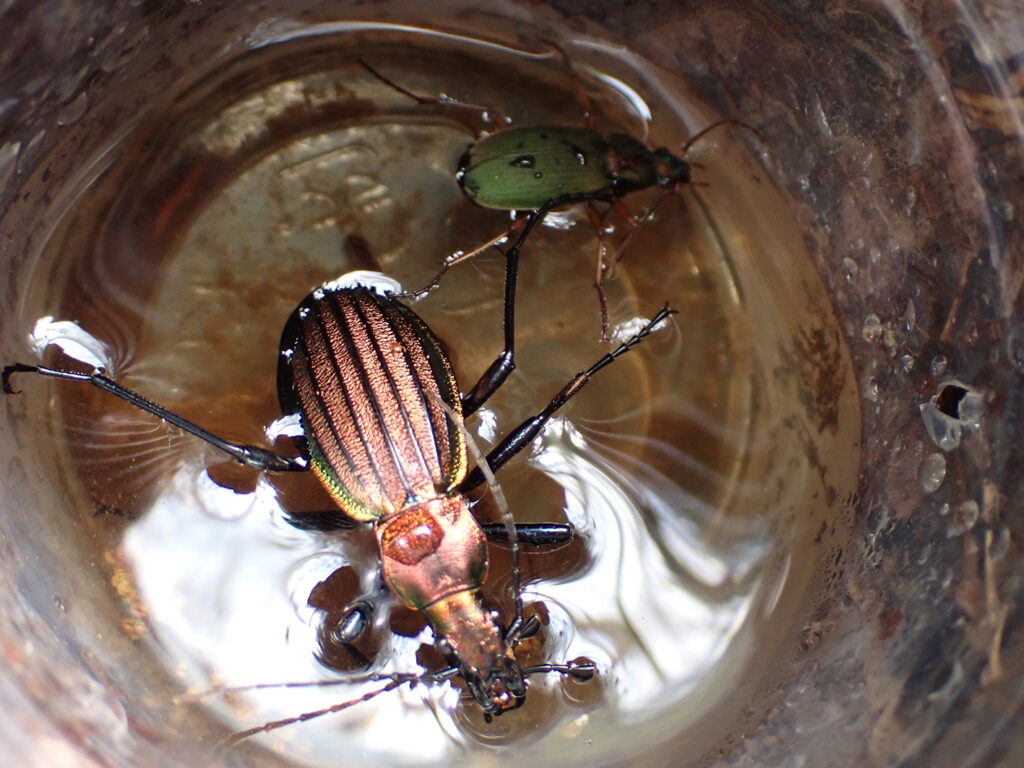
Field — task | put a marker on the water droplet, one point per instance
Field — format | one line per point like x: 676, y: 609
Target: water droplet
x: 72, y: 111
x: 911, y: 199
x: 909, y: 317
x: 907, y: 363
x: 938, y: 365
x: 971, y: 408
x: 964, y: 518
x: 871, y: 390
x: 1000, y: 543
x: 1014, y: 337
x: 850, y: 270
x: 872, y: 329
x: 932, y: 472
x: 8, y: 154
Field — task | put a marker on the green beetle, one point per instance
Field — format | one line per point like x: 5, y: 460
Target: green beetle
x: 535, y: 167
x: 526, y: 168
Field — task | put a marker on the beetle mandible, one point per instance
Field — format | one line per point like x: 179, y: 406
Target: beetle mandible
x: 380, y: 412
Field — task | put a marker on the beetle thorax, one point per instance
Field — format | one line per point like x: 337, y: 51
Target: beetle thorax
x: 434, y: 557
x: 431, y: 551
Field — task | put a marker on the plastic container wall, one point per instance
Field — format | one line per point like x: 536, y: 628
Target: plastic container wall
x: 897, y: 129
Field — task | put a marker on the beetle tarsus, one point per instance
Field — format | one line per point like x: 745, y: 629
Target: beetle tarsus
x: 12, y: 369
x: 522, y: 435
x: 261, y: 458
x: 322, y: 520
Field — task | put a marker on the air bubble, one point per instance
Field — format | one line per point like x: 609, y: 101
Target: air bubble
x: 872, y: 329
x: 850, y: 270
x: 909, y: 317
x: 871, y: 390
x: 72, y: 111
x: 938, y: 365
x: 932, y: 472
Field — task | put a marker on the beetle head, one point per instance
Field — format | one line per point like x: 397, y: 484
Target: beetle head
x: 500, y: 690
x: 670, y: 169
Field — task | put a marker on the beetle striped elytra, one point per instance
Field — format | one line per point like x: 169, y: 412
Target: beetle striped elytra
x: 530, y: 167
x: 380, y: 409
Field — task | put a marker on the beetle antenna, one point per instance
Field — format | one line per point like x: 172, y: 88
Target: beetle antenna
x: 394, y: 681
x: 488, y: 115
x: 581, y: 669
x: 718, y: 124
x: 499, y: 497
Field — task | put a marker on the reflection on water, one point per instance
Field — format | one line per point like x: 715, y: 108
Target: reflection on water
x: 699, y: 470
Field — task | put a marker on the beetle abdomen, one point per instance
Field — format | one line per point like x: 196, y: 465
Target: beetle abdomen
x: 368, y: 378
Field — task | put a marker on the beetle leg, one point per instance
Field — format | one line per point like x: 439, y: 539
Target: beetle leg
x: 624, y: 213
x: 459, y: 257
x: 250, y: 455
x: 322, y: 521
x: 597, y: 221
x: 636, y: 224
x: 531, y: 534
x: 488, y: 115
x: 504, y: 363
x: 577, y: 81
x: 522, y: 435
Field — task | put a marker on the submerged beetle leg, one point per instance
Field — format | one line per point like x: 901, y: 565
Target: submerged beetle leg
x: 459, y: 257
x: 597, y: 222
x: 250, y: 455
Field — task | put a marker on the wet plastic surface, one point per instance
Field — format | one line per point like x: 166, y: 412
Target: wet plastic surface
x: 898, y: 134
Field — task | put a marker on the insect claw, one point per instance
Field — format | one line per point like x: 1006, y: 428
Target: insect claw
x: 15, y: 368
